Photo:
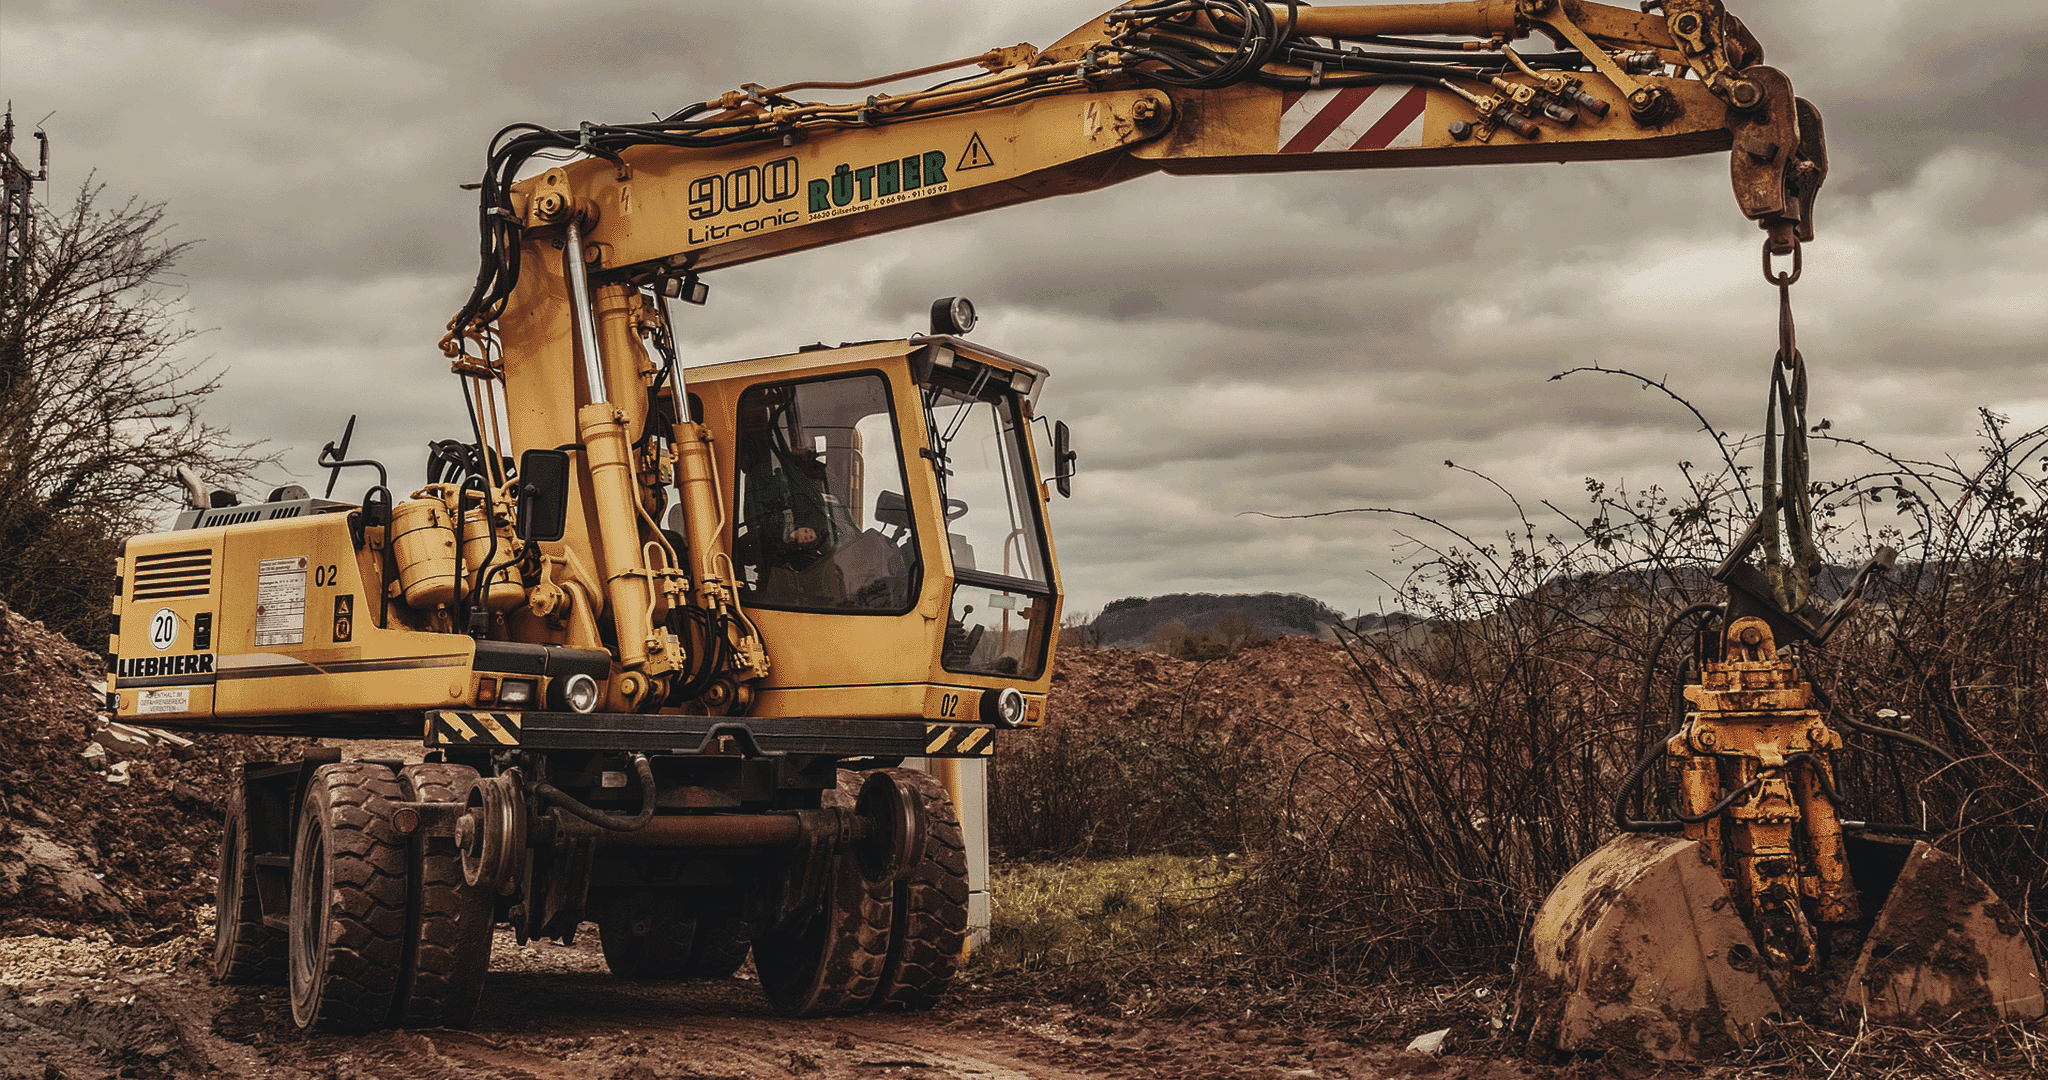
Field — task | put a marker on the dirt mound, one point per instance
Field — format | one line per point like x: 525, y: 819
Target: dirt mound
x: 124, y: 839
x: 1289, y: 679
x: 1144, y: 753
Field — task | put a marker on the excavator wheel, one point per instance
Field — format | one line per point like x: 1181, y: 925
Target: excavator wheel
x: 244, y: 949
x: 834, y: 965
x: 646, y: 935
x: 448, y: 928
x: 930, y: 917
x: 349, y: 895
x: 720, y: 948
x: 1640, y: 947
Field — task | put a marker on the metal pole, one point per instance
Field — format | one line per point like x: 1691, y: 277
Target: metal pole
x: 579, y: 314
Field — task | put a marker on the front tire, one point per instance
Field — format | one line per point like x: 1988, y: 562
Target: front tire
x: 930, y: 906
x: 834, y: 966
x: 448, y: 931
x: 348, y: 914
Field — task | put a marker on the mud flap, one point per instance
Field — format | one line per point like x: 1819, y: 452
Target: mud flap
x: 1945, y: 946
x: 1641, y: 947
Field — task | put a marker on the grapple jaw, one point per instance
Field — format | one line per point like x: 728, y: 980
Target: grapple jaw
x: 1681, y: 948
x: 1641, y: 948
x: 1944, y: 947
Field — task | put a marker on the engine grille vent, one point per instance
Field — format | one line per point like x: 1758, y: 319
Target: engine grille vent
x: 170, y: 574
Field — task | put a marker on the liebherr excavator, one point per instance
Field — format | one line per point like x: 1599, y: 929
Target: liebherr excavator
x: 668, y: 634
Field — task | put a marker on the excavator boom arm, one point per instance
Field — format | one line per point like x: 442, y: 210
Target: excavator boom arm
x: 1184, y: 87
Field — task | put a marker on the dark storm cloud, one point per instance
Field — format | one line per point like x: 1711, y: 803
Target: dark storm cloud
x: 1274, y: 344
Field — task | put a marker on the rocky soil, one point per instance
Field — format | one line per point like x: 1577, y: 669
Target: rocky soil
x: 103, y: 828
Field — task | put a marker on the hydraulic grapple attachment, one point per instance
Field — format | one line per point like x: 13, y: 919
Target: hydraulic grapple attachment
x: 1680, y: 948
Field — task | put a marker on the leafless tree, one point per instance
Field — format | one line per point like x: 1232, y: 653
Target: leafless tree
x: 1236, y: 628
x: 98, y: 406
x: 1083, y: 629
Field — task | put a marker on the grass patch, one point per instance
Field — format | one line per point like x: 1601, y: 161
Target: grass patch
x: 1101, y: 928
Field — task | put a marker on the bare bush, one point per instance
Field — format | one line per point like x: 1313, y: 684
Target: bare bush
x: 1474, y: 757
x: 1499, y: 734
x: 97, y: 410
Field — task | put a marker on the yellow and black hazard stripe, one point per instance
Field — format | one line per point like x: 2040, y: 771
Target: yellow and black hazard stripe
x: 448, y: 727
x: 956, y: 740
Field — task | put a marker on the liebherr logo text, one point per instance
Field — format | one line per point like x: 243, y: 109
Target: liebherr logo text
x: 151, y: 667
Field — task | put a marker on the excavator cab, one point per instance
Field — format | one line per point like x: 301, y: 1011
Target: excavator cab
x: 885, y: 509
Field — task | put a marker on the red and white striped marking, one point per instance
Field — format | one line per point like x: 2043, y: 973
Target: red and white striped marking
x: 1353, y: 118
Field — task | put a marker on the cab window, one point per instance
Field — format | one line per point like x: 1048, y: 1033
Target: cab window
x: 1001, y: 618
x: 821, y: 519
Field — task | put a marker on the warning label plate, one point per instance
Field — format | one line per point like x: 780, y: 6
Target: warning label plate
x: 150, y: 702
x: 281, y: 601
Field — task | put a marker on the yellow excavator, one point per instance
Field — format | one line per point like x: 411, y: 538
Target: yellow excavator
x: 669, y: 634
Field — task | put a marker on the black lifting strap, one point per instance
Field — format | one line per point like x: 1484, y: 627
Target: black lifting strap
x: 1783, y: 592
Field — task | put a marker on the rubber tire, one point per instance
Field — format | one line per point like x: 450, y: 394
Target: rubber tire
x: 835, y: 965
x: 712, y: 945
x: 930, y: 917
x: 448, y: 924
x: 663, y: 952
x: 721, y: 946
x: 349, y: 886
x: 245, y: 951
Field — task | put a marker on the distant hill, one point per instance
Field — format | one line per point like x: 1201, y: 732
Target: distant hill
x: 1134, y: 622
x: 1131, y: 622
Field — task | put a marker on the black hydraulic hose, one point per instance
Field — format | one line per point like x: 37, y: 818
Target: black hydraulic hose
x: 1827, y: 789
x: 604, y: 819
x: 484, y: 454
x: 1618, y: 809
x: 1657, y: 651
x: 1361, y: 62
x: 1635, y: 775
x: 1854, y: 724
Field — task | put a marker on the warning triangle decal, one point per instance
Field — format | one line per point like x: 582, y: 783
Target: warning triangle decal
x: 975, y: 156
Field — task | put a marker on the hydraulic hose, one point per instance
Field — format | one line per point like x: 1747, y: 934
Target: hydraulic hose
x: 1635, y: 775
x: 1619, y: 810
x: 643, y: 770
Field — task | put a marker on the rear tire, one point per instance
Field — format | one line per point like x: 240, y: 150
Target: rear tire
x: 448, y: 929
x: 348, y: 916
x: 673, y: 944
x: 930, y: 918
x: 835, y: 964
x: 721, y: 946
x: 646, y: 935
x: 244, y: 949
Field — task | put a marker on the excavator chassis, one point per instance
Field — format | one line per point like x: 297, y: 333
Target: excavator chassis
x: 370, y: 886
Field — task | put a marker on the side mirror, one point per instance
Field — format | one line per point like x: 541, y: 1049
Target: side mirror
x: 1063, y: 458
x: 891, y: 508
x: 543, y: 495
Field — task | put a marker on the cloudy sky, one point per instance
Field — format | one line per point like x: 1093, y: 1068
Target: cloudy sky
x: 1274, y: 344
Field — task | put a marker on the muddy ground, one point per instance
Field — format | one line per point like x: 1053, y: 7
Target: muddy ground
x: 107, y: 848
x: 93, y: 1009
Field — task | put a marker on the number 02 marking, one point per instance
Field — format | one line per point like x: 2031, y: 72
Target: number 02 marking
x: 324, y: 576
x: 949, y: 705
